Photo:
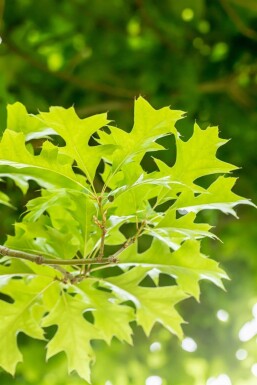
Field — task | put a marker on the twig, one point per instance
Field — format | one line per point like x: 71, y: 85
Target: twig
x: 2, y: 4
x: 155, y: 28
x: 248, y: 32
x: 66, y: 275
x: 56, y: 263
x: 114, y: 258
x: 112, y: 105
x: 102, y: 225
x: 40, y: 260
x: 227, y: 85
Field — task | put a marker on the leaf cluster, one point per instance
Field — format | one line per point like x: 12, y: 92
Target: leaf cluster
x: 114, y: 226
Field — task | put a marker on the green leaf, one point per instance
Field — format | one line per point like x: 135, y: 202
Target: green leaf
x: 5, y: 200
x: 49, y: 169
x: 73, y: 335
x: 187, y: 264
x: 111, y: 318
x: 76, y: 133
x: 153, y: 304
x: 149, y: 125
x: 20, y: 121
x: 95, y: 200
x: 42, y: 238
x: 217, y: 197
x: 21, y: 316
x: 174, y: 231
x: 197, y: 157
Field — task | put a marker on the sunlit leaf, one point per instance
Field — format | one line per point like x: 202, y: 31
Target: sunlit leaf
x: 95, y: 238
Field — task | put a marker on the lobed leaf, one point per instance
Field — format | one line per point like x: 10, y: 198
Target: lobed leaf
x: 73, y: 335
x: 95, y: 201
x: 153, y: 304
x: 23, y: 315
x: 187, y: 264
x: 49, y: 169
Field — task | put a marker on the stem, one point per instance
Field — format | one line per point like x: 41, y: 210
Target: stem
x: 130, y: 241
x: 40, y: 260
x: 102, y: 226
x: 55, y: 263
x: 66, y: 275
x: 114, y: 258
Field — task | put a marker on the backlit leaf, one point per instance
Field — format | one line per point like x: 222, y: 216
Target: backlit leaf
x: 101, y: 228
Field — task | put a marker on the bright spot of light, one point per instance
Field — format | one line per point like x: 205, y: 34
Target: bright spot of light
x: 254, y: 370
x: 187, y: 14
x: 248, y: 330
x: 189, y: 344
x: 155, y: 347
x: 108, y: 383
x: 223, y: 315
x: 222, y: 379
x: 254, y: 310
x: 241, y: 354
x: 153, y: 380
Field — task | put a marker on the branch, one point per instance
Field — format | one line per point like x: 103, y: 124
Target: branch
x: 56, y: 263
x: 244, y: 29
x: 106, y: 106
x: 66, y: 76
x: 227, y: 85
x: 155, y: 28
x: 2, y: 4
x: 102, y: 225
x: 40, y: 260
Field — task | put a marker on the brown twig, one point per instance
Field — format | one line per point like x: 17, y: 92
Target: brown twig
x: 40, y: 260
x: 102, y: 225
x: 227, y: 85
x: 57, y: 263
x: 246, y: 31
x: 2, y: 4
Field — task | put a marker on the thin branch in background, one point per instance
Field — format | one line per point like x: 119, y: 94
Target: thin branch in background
x: 2, y: 4
x: 251, y: 5
x: 161, y: 34
x: 227, y: 85
x: 68, y: 77
x: 113, y: 105
x: 244, y: 29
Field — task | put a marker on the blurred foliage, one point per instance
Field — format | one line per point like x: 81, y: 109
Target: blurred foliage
x: 196, y: 55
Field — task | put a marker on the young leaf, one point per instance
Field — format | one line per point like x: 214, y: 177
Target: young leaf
x: 49, y: 169
x: 187, y: 264
x: 95, y: 201
x: 113, y: 320
x: 76, y: 133
x: 218, y: 196
x: 73, y: 335
x: 20, y: 121
x: 21, y: 316
x: 5, y: 200
x: 153, y: 304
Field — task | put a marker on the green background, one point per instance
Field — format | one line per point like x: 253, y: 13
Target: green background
x: 199, y: 56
